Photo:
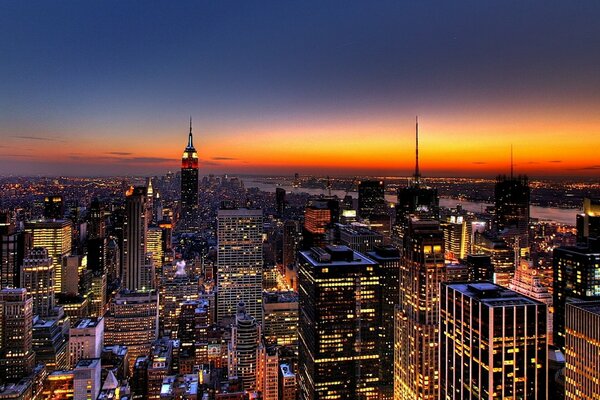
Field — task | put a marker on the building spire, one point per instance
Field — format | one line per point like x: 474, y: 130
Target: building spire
x: 190, y: 139
x: 417, y: 173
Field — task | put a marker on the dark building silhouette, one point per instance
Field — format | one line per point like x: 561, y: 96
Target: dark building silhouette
x: 189, y: 187
x: 588, y: 222
x: 511, y: 199
x: 388, y: 260
x: 371, y: 199
x: 480, y: 267
x: 54, y: 207
x: 280, y: 202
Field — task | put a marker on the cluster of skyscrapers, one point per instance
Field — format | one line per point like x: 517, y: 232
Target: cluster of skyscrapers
x: 157, y: 295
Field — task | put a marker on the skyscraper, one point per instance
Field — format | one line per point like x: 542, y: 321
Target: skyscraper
x: 243, y: 348
x: 137, y: 269
x: 371, y: 199
x: 576, y: 278
x: 16, y: 354
x: 416, y: 199
x: 54, y: 207
x: 388, y: 259
x: 37, y: 277
x: 588, y: 222
x: 189, y: 187
x: 511, y: 198
x: 280, y: 202
x: 56, y: 237
x: 492, y: 344
x: 582, y: 351
x: 337, y: 332
x: 132, y: 320
x: 422, y: 269
x: 239, y: 261
x: 13, y: 247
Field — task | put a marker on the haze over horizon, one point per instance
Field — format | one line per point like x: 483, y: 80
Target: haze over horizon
x: 97, y: 89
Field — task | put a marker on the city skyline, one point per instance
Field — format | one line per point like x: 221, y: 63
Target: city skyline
x: 97, y: 89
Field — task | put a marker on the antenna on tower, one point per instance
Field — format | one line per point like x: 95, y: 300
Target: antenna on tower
x: 417, y: 174
x: 190, y: 124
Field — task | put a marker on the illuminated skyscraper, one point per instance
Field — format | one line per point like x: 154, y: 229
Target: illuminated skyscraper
x: 189, y: 187
x: 582, y: 351
x: 502, y: 257
x: 492, y: 344
x: 422, y: 269
x: 37, y: 277
x: 576, y: 278
x: 338, y: 324
x: 16, y: 351
x: 132, y: 321
x: 56, y: 237
x: 243, y: 349
x: 137, y: 270
x: 13, y: 247
x: 239, y: 262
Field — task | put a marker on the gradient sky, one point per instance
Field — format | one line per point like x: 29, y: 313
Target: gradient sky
x: 107, y: 87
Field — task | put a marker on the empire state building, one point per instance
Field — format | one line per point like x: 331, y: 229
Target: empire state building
x: 189, y: 187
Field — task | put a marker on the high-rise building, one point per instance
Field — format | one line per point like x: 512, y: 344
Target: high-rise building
x: 588, y: 222
x: 480, y: 267
x: 371, y: 199
x: 287, y: 383
x: 267, y: 377
x: 280, y: 202
x: 528, y: 282
x: 576, y: 278
x: 457, y: 236
x: 54, y: 207
x: 415, y: 200
x: 502, y: 256
x: 87, y: 380
x: 188, y: 221
x: 56, y: 237
x: 388, y: 260
x: 492, y: 344
x: 280, y: 326
x: 338, y: 326
x: 37, y: 277
x: 243, y: 349
x: 511, y: 199
x: 358, y: 238
x: 86, y: 339
x: 422, y: 269
x: 177, y: 285
x: 138, y: 274
x: 13, y: 247
x: 582, y: 351
x: 16, y: 352
x: 239, y: 261
x: 132, y: 320
x: 154, y: 245
x: 50, y: 339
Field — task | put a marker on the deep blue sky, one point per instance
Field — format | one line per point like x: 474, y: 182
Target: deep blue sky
x: 74, y: 70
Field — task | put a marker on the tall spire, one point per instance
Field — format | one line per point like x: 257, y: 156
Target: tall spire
x: 417, y: 173
x: 190, y: 141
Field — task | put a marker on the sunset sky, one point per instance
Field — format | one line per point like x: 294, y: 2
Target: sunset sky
x: 332, y: 87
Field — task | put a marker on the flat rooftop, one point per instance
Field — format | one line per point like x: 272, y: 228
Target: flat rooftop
x: 492, y: 295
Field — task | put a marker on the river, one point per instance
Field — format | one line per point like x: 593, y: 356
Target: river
x: 560, y: 215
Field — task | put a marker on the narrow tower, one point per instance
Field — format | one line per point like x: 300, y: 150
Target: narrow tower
x: 189, y: 187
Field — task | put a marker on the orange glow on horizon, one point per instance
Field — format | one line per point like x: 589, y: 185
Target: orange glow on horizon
x: 543, y: 145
